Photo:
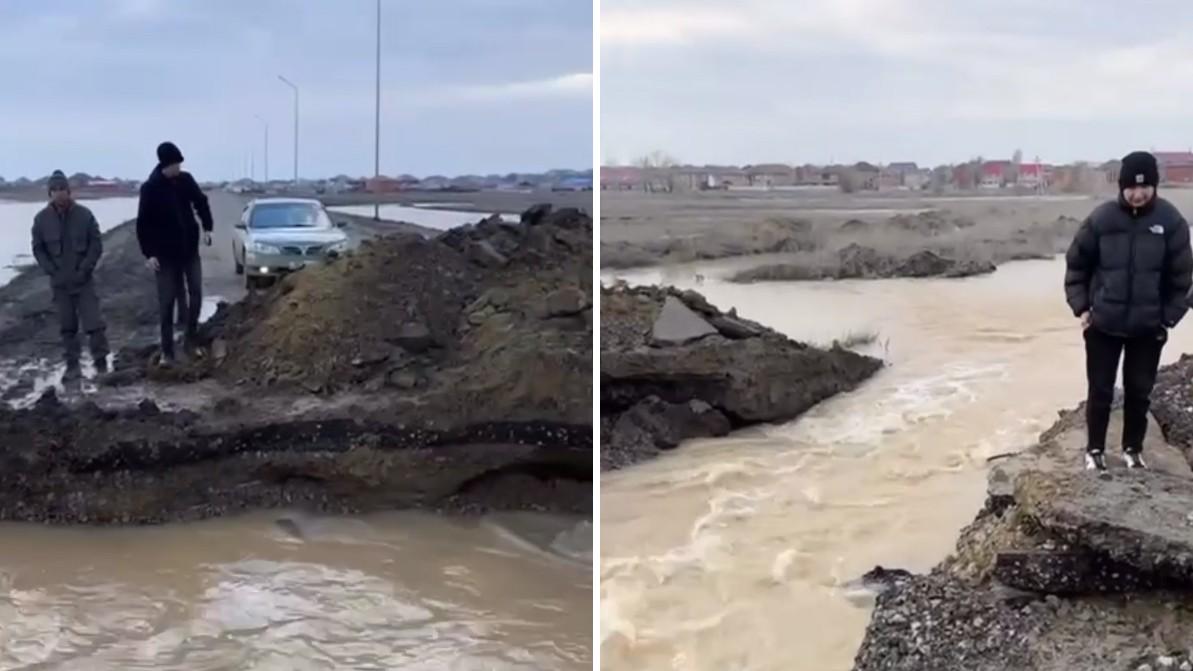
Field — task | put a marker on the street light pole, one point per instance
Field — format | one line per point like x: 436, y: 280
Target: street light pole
x: 291, y: 84
x: 377, y: 121
x: 266, y: 125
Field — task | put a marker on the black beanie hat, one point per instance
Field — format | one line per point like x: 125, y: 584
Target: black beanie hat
x: 58, y: 181
x: 168, y: 154
x: 1139, y: 169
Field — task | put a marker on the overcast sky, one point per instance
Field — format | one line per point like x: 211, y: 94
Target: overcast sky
x: 469, y: 86
x: 933, y: 81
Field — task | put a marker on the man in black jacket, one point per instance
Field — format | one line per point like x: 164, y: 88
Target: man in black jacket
x: 169, y: 239
x: 1129, y: 272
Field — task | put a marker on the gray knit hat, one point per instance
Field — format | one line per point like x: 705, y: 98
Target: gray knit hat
x: 58, y: 181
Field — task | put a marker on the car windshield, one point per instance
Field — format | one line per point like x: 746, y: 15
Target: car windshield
x: 289, y: 215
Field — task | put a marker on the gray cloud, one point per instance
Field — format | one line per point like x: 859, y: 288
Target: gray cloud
x: 885, y: 80
x: 469, y: 85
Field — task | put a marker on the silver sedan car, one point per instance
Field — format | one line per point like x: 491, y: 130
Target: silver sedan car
x: 276, y: 236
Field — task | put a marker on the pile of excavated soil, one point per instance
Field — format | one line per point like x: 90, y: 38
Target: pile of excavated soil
x: 327, y: 327
x: 862, y: 262
x: 491, y: 320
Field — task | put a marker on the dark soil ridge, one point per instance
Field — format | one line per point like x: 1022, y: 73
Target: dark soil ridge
x: 84, y: 464
x: 936, y: 243
x: 674, y: 368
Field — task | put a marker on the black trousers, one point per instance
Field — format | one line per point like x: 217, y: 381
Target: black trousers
x: 1140, y: 364
x: 173, y: 280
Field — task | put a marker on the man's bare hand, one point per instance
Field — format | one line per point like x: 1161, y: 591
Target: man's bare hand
x: 153, y: 264
x: 1085, y: 320
x: 207, y: 238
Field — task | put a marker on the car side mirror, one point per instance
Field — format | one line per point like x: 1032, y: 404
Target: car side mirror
x: 341, y: 224
x: 241, y: 225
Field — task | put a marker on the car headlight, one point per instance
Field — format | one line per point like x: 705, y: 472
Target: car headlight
x: 338, y: 247
x: 262, y: 248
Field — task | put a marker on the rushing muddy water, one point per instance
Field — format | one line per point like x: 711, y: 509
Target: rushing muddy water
x: 738, y: 553
x: 283, y: 591
x: 286, y: 591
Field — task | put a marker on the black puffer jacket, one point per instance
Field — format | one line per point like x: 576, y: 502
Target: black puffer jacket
x: 166, y: 225
x: 1131, y: 268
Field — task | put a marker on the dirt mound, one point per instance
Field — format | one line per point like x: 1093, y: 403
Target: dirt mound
x: 674, y: 367
x: 930, y: 223
x: 489, y: 318
x: 855, y: 261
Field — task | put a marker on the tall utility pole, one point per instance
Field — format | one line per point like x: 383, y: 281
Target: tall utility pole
x: 292, y: 85
x: 266, y: 125
x: 377, y: 121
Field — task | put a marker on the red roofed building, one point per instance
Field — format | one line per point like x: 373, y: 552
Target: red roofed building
x: 1176, y: 167
x: 995, y: 174
x: 1031, y: 175
x: 621, y: 178
x: 382, y: 184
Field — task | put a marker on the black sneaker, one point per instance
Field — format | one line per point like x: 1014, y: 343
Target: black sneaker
x: 167, y: 361
x: 1134, y: 459
x: 1095, y: 461
x: 101, y: 365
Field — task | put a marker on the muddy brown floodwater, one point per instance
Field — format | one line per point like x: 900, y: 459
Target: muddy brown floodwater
x: 287, y: 591
x: 738, y: 553
x: 278, y: 590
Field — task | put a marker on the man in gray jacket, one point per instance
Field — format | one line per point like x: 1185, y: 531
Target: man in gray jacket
x: 1129, y: 271
x: 67, y: 246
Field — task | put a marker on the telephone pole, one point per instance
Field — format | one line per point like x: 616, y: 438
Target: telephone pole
x: 377, y: 123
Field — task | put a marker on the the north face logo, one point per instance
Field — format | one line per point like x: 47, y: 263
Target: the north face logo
x: 1139, y: 178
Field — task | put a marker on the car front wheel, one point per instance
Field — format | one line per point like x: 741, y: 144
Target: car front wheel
x: 236, y: 260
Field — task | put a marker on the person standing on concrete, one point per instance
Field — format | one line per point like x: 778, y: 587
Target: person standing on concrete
x: 169, y: 239
x: 1128, y: 275
x: 67, y: 246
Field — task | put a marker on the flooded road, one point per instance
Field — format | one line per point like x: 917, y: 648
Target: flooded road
x: 432, y: 217
x: 736, y: 553
x: 282, y: 591
x: 394, y: 591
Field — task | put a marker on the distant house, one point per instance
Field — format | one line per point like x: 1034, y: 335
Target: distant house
x: 621, y: 178
x: 816, y: 175
x: 894, y: 175
x: 434, y: 183
x: 1176, y: 167
x: 1031, y: 176
x: 382, y: 184
x: 724, y: 176
x: 917, y: 180
x: 866, y: 175
x: 770, y: 174
x: 994, y: 174
x: 103, y: 185
x: 1110, y: 170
